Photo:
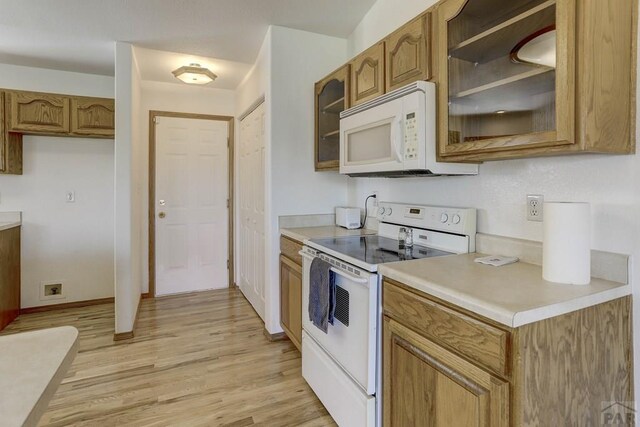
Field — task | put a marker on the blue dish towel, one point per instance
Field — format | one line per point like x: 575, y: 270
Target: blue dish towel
x: 322, y: 294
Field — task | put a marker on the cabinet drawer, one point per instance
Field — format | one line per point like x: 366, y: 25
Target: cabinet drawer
x: 31, y: 112
x: 459, y: 333
x: 291, y: 248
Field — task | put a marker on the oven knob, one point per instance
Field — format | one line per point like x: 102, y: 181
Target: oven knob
x: 456, y: 219
x: 444, y: 218
x: 381, y: 211
x: 389, y: 210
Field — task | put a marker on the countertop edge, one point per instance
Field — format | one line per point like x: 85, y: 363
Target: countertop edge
x: 546, y: 312
x: 10, y: 225
x: 292, y: 235
x: 42, y: 404
x: 35, y: 390
x: 499, y: 314
x: 496, y: 313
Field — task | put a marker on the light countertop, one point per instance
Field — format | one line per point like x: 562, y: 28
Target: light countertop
x: 10, y: 220
x: 32, y: 365
x: 513, y: 295
x: 306, y: 233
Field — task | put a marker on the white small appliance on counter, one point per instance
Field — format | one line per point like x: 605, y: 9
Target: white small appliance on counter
x: 394, y: 135
x: 348, y: 218
x: 343, y: 366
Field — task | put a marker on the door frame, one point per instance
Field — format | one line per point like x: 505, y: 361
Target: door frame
x: 153, y: 114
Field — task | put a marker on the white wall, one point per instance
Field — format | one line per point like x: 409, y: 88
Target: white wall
x: 383, y: 18
x: 289, y: 63
x: 177, y: 98
x: 298, y: 60
x: 609, y: 183
x: 63, y: 242
x: 128, y: 189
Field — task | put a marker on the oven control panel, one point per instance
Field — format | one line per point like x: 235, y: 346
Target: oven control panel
x: 440, y: 218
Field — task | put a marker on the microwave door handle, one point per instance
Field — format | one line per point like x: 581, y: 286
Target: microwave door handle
x: 397, y: 138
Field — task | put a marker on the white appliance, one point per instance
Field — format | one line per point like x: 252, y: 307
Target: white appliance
x: 343, y: 366
x: 348, y: 217
x: 395, y: 135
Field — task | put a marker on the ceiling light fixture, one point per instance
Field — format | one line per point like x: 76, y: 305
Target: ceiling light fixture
x: 194, y: 74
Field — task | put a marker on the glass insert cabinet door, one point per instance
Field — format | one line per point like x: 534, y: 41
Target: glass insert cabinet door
x: 506, y: 73
x: 332, y: 97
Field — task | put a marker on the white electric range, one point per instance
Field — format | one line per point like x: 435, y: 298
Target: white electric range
x: 343, y: 366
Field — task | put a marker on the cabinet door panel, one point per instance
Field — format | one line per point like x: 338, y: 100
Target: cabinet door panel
x: 367, y: 74
x: 331, y: 98
x: 409, y: 53
x: 31, y: 112
x: 426, y: 385
x: 9, y: 275
x: 291, y: 300
x: 93, y: 117
x: 493, y: 98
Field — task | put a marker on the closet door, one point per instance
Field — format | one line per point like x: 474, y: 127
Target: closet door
x: 251, y: 195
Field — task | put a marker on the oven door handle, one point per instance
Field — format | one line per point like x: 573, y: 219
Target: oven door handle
x: 340, y: 272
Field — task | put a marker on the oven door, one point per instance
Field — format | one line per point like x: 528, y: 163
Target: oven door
x: 351, y: 341
x: 372, y: 140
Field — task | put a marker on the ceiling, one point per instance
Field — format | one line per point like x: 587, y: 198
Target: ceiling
x: 79, y: 35
x: 156, y: 65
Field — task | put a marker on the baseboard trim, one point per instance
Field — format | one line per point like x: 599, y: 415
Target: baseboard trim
x: 147, y: 295
x: 121, y: 336
x: 280, y: 336
x: 75, y: 304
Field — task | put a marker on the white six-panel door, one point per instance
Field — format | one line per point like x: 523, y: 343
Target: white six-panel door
x: 192, y: 186
x: 251, y: 195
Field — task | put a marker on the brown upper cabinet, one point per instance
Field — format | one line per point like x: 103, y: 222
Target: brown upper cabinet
x: 36, y: 113
x: 10, y: 145
x: 408, y: 56
x: 331, y: 98
x: 532, y: 78
x: 367, y: 74
x: 31, y: 112
x: 93, y: 116
x: 59, y: 115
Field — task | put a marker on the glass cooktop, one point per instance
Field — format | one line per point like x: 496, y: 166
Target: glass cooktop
x: 376, y: 249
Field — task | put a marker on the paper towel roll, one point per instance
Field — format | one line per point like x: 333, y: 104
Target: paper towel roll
x: 566, y: 246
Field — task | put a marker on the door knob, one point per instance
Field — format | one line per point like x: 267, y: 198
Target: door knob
x: 162, y: 214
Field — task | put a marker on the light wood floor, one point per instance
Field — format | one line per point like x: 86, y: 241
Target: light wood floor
x: 196, y: 360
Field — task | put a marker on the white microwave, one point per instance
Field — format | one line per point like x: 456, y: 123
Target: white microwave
x: 395, y: 135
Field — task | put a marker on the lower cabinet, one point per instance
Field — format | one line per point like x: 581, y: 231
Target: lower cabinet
x: 426, y: 385
x: 291, y: 299
x: 446, y: 366
x: 9, y: 275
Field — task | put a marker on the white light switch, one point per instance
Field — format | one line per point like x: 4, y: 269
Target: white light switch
x: 71, y: 197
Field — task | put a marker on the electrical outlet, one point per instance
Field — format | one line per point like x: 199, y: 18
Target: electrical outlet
x: 535, y: 203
